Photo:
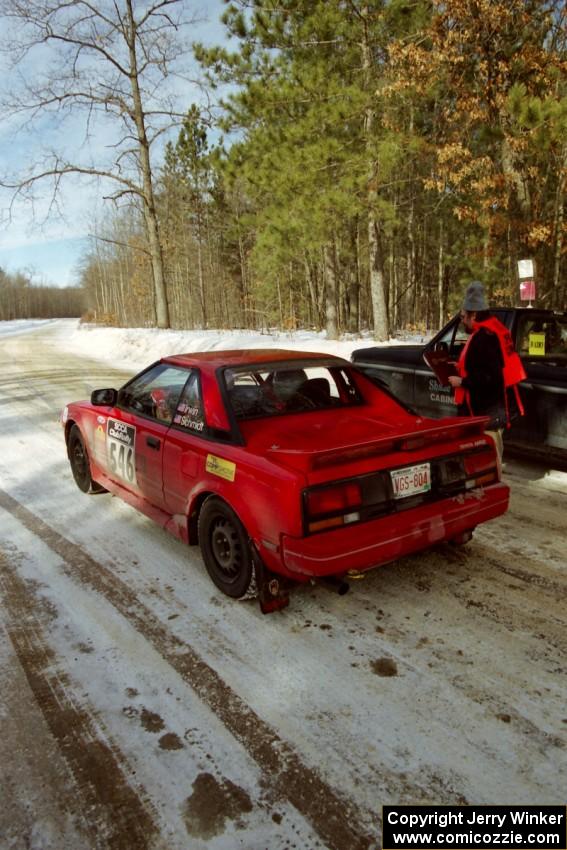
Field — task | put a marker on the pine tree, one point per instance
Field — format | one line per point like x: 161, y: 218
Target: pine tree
x: 311, y: 143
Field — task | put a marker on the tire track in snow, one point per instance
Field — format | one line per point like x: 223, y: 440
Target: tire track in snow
x: 114, y: 813
x: 335, y: 819
x: 529, y: 572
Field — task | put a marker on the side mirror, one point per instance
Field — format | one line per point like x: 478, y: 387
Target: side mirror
x: 442, y: 348
x: 106, y: 398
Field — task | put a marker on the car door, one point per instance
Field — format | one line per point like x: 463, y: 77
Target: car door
x: 136, y: 434
x: 186, y: 446
x: 431, y: 397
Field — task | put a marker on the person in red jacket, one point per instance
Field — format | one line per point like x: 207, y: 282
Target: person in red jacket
x: 489, y: 369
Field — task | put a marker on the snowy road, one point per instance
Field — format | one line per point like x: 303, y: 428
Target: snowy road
x: 139, y: 708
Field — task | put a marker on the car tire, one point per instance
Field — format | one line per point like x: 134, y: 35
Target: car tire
x: 226, y: 550
x: 80, y: 464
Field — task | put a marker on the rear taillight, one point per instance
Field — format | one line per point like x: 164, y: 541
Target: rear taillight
x: 481, y: 468
x: 329, y: 507
x: 332, y: 499
x: 479, y: 461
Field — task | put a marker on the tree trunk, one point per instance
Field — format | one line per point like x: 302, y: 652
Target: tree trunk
x: 440, y: 278
x: 393, y: 288
x: 410, y: 268
x: 354, y: 294
x: 377, y: 295
x: 243, y: 279
x: 280, y: 304
x: 330, y: 293
x: 150, y: 212
x: 202, y: 299
x: 313, y: 312
x: 559, y: 292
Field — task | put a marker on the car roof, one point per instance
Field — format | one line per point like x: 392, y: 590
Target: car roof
x: 246, y: 357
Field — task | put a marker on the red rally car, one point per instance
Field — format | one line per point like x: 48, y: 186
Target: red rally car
x: 283, y: 466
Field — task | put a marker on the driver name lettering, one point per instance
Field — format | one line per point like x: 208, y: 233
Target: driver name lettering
x: 186, y: 422
x: 190, y: 411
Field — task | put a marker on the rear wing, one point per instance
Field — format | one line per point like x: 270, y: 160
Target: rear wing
x: 468, y: 428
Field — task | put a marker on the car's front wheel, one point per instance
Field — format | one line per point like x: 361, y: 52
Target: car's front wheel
x: 80, y: 465
x: 226, y: 550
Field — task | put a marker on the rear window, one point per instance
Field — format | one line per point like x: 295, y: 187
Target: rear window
x: 258, y: 392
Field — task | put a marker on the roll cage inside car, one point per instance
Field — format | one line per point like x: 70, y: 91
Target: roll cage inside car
x: 271, y: 390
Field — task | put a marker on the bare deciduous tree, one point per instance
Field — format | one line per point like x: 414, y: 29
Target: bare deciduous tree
x: 111, y: 62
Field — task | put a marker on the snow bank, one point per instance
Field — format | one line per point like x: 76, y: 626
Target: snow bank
x: 138, y: 347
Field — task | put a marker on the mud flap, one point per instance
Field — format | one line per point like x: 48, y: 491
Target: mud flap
x: 273, y: 590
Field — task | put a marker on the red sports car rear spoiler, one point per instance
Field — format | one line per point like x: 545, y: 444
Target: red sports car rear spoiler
x: 449, y: 430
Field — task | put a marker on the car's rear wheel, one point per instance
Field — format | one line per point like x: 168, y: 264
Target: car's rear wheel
x: 226, y: 550
x: 80, y: 464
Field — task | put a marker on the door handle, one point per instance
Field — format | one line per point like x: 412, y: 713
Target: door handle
x: 153, y: 442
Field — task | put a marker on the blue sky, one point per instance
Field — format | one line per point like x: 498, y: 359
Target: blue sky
x: 49, y: 243
x: 53, y: 262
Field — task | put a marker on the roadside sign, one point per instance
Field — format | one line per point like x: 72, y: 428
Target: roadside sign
x: 527, y: 290
x: 526, y: 269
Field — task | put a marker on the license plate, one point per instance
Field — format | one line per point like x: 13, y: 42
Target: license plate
x: 411, y: 480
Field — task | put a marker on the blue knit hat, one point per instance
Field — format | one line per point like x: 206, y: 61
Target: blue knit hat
x: 475, y: 301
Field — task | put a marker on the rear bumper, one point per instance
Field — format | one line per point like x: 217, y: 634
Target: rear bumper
x: 361, y: 547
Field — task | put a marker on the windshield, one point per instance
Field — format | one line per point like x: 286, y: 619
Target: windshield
x: 259, y: 391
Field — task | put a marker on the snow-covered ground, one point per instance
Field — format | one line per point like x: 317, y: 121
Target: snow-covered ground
x: 140, y: 708
x: 21, y: 326
x: 138, y: 347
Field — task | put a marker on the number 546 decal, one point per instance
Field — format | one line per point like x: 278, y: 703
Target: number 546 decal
x: 121, y: 450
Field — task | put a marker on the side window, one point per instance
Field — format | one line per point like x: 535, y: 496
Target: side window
x: 460, y: 337
x: 543, y: 338
x: 155, y: 393
x: 190, y: 414
x: 454, y: 337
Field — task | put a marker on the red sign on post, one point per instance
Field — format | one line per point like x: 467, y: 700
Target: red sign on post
x: 527, y: 290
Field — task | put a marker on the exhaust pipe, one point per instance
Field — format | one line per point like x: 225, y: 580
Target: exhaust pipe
x: 337, y: 584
